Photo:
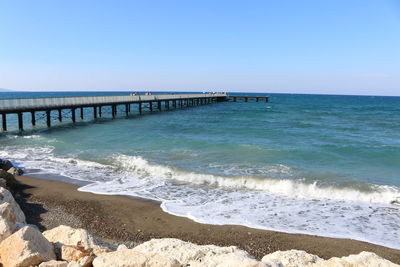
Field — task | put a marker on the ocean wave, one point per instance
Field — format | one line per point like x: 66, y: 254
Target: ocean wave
x: 383, y: 194
x: 274, y: 204
x: 140, y: 168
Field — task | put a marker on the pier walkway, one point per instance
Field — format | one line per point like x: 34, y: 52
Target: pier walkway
x: 58, y: 104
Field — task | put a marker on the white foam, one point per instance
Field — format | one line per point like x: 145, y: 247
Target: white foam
x: 274, y: 204
x: 291, y: 188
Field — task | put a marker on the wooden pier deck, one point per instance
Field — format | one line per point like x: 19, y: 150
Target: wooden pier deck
x: 58, y: 104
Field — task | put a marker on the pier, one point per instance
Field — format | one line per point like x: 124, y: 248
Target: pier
x: 49, y: 105
x: 236, y: 98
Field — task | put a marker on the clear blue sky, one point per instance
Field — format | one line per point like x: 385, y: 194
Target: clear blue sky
x: 340, y: 47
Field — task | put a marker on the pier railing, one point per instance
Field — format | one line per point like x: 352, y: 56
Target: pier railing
x: 57, y: 102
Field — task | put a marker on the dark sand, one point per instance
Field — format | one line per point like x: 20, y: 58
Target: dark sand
x: 49, y: 204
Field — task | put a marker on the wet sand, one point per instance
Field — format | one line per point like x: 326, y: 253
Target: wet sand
x: 48, y: 204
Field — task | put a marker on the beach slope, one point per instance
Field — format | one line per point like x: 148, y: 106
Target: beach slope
x: 120, y: 218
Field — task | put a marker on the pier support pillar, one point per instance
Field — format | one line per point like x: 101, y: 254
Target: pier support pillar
x: 4, y: 122
x: 151, y: 106
x: 48, y: 118
x: 60, y: 115
x: 126, y: 110
x: 114, y: 111
x: 81, y: 113
x: 33, y: 118
x: 100, y: 111
x: 95, y: 112
x: 20, y: 121
x: 140, y: 108
x: 73, y: 115
x: 159, y: 105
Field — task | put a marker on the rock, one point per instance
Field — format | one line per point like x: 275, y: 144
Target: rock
x: 3, y: 183
x: 194, y: 255
x: 290, y: 258
x: 364, y: 259
x: 97, y: 251
x: 86, y: 261
x: 26, y: 247
x: 396, y: 201
x: 6, y: 196
x: 159, y: 260
x: 10, y: 179
x: 15, y: 171
x: 131, y: 258
x: 73, y: 264
x: 73, y: 253
x: 65, y: 235
x: 122, y: 247
x: 54, y: 263
x: 5, y: 164
x: 7, y: 221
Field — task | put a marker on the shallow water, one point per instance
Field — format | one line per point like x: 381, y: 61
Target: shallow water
x: 324, y: 165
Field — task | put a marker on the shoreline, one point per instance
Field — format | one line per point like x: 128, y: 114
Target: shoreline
x: 50, y: 203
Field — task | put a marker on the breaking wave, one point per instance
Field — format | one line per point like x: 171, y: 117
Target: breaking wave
x: 289, y: 205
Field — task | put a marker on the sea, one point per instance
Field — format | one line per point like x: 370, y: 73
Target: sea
x: 324, y: 165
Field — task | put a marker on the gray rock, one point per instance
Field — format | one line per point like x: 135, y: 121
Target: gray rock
x: 10, y: 179
x: 15, y: 171
x: 5, y: 164
x: 3, y: 183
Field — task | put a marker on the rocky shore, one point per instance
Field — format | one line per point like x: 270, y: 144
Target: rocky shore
x: 23, y: 244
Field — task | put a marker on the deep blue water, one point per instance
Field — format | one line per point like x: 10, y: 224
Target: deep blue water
x: 319, y: 164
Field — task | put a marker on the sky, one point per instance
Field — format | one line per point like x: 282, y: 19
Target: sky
x: 281, y: 46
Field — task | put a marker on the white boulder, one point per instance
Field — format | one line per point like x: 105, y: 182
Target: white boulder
x: 6, y: 196
x: 65, y: 235
x: 7, y: 221
x: 195, y: 255
x: 86, y: 261
x: 26, y: 247
x: 54, y: 263
x: 73, y: 264
x: 131, y: 258
x: 364, y: 259
x: 290, y: 258
x: 73, y: 253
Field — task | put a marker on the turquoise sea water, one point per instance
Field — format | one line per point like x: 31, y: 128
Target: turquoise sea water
x: 324, y: 165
